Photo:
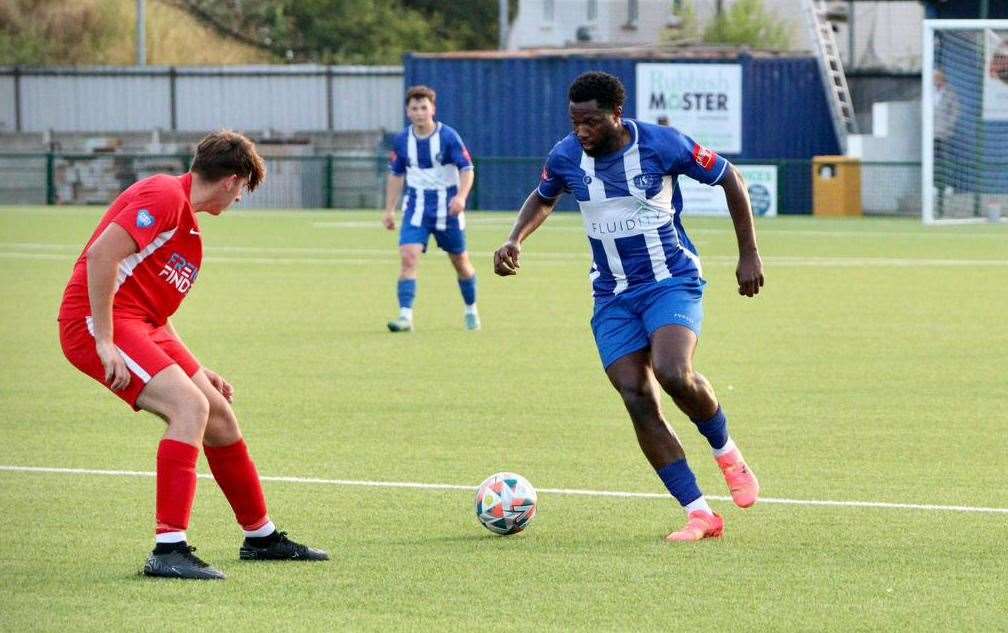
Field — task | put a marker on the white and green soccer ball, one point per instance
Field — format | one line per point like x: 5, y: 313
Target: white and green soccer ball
x: 505, y: 503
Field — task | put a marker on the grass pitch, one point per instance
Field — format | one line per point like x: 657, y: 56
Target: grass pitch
x: 871, y: 368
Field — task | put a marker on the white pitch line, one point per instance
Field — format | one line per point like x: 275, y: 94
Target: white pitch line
x: 555, y: 491
x: 370, y: 256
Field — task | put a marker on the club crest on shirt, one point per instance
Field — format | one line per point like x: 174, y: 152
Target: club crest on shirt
x: 704, y: 157
x: 439, y: 156
x: 144, y: 219
x: 587, y: 179
x: 645, y: 181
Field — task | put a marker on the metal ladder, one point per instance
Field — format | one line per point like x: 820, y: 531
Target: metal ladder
x: 831, y: 69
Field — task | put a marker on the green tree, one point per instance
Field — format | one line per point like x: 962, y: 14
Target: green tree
x: 469, y: 25
x: 747, y: 23
x: 350, y: 31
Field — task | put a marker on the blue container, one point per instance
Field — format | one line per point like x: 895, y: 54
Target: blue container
x: 515, y: 105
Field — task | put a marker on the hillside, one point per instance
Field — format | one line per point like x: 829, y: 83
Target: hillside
x: 102, y: 32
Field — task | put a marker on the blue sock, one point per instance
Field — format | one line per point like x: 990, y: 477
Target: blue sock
x: 407, y: 292
x: 714, y: 429
x: 468, y: 288
x: 680, y: 481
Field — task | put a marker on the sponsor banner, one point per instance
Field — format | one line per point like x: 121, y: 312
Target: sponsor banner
x: 702, y: 100
x: 995, y: 93
x: 761, y: 180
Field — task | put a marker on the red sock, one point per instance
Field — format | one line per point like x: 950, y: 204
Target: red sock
x: 176, y: 485
x: 238, y: 478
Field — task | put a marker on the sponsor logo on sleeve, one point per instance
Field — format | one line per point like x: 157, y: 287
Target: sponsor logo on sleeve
x: 465, y: 152
x: 546, y: 176
x: 704, y: 157
x: 393, y: 157
x: 144, y: 219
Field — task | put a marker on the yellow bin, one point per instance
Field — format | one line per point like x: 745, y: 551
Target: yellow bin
x: 836, y: 186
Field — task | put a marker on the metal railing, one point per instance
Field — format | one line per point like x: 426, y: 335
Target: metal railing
x: 358, y: 182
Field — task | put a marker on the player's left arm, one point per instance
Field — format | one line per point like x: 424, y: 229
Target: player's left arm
x: 458, y: 202
x: 749, y: 271
x: 218, y: 382
x: 460, y: 156
x: 704, y: 165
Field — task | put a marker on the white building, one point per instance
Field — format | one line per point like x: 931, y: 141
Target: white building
x: 560, y: 23
x: 884, y: 35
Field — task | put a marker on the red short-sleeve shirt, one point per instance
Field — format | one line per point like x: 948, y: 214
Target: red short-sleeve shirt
x: 152, y: 282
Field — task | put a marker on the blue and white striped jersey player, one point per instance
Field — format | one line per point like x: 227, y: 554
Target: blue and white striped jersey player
x: 646, y: 276
x: 438, y: 173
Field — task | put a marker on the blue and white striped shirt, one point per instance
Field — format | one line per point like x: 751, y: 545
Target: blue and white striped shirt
x: 631, y: 204
x: 431, y: 166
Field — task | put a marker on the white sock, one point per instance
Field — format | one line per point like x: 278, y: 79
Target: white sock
x: 170, y: 537
x: 267, y: 529
x: 471, y: 309
x: 699, y: 504
x: 728, y: 447
x: 406, y: 313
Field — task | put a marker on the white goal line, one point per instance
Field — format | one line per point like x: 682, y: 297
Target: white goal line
x: 555, y: 491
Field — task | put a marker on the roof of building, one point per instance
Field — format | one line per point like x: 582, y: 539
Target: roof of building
x: 666, y: 51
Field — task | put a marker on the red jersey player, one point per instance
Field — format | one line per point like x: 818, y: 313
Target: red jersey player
x: 136, y: 269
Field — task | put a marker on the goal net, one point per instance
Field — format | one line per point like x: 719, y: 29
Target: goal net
x: 964, y: 125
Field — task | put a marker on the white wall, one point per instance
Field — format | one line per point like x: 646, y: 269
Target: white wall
x: 282, y: 98
x: 554, y: 23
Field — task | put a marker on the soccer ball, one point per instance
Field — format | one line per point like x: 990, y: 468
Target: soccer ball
x: 505, y: 503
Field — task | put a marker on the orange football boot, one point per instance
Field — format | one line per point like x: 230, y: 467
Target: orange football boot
x: 740, y: 479
x: 699, y: 525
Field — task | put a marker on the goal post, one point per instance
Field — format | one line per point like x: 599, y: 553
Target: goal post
x: 964, y: 121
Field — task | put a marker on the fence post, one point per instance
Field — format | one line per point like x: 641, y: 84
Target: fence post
x: 173, y: 113
x: 50, y: 178
x: 329, y: 97
x: 328, y: 180
x: 17, y: 98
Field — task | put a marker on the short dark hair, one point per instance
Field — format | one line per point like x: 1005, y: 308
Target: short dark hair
x: 226, y: 153
x: 604, y: 88
x: 420, y: 92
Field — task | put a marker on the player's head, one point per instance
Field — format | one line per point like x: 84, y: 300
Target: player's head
x: 420, y: 106
x: 596, y: 106
x: 939, y: 79
x: 226, y: 163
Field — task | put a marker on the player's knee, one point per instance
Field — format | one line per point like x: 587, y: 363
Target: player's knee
x: 410, y: 261
x: 191, y: 412
x: 222, y: 427
x: 675, y: 378
x: 636, y: 397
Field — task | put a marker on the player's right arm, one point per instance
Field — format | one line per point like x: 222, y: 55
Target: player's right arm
x: 103, y: 257
x: 533, y: 213
x: 538, y: 206
x: 394, y: 185
x: 393, y: 191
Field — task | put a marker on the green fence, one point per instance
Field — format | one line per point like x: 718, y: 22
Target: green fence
x: 358, y: 182
x: 293, y: 182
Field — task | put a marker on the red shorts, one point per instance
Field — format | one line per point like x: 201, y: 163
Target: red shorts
x: 146, y: 348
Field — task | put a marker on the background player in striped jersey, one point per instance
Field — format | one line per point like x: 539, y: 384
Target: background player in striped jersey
x: 438, y: 173
x: 133, y: 274
x: 646, y: 277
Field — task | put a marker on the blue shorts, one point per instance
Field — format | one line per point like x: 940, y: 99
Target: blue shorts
x: 451, y: 240
x: 624, y: 323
